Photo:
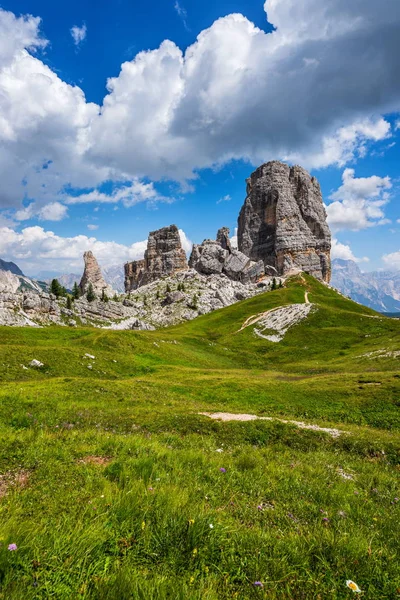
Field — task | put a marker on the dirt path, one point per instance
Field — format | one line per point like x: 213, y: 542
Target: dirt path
x: 335, y: 433
x: 306, y: 300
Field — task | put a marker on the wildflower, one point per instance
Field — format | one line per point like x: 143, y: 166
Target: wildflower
x: 191, y: 521
x: 258, y: 584
x: 342, y: 514
x: 219, y: 450
x: 143, y: 525
x: 194, y: 552
x: 222, y: 470
x: 12, y: 547
x: 325, y: 520
x: 260, y: 507
x: 353, y: 586
x: 211, y: 526
x: 151, y: 489
x: 191, y: 580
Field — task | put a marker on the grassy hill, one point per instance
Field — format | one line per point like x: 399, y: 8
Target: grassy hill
x: 113, y: 485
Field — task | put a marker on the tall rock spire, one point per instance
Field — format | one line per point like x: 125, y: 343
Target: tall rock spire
x: 283, y: 221
x: 92, y: 275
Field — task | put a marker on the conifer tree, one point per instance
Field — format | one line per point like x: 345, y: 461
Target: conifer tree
x: 75, y: 291
x: 90, y: 295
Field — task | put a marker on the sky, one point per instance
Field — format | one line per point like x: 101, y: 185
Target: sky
x: 118, y: 118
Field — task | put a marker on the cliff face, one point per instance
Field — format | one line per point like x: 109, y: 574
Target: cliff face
x: 283, y: 221
x: 164, y: 256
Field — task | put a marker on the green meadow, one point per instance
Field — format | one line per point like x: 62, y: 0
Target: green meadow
x: 113, y: 486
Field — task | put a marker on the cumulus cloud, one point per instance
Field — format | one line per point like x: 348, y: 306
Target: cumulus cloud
x: 344, y: 252
x: 78, y: 34
x: 187, y: 244
x: 54, y: 211
x: 305, y: 91
x: 392, y: 260
x: 35, y: 249
x: 92, y: 227
x: 359, y: 202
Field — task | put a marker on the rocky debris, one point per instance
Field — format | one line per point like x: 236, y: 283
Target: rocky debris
x: 335, y: 433
x: 164, y: 257
x: 33, y: 309
x: 92, y: 275
x: 36, y: 363
x: 8, y: 282
x: 279, y: 320
x: 132, y: 323
x: 186, y: 295
x: 215, y: 257
x: 283, y: 221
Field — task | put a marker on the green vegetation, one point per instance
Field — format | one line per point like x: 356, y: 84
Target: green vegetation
x: 111, y: 484
x: 75, y: 291
x: 90, y: 295
x: 57, y: 289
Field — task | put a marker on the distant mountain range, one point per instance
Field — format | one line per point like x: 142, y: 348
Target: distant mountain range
x: 379, y: 290
x: 10, y: 266
x: 113, y: 275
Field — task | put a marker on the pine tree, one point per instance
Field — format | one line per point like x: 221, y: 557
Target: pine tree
x: 115, y: 298
x: 76, y: 291
x: 55, y: 288
x: 69, y: 302
x: 104, y: 297
x: 90, y: 295
x: 168, y: 288
x: 274, y: 286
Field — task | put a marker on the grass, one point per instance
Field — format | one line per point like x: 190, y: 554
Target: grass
x: 110, y: 479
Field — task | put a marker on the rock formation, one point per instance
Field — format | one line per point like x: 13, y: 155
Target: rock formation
x: 218, y: 257
x: 164, y: 256
x: 283, y: 221
x: 92, y: 275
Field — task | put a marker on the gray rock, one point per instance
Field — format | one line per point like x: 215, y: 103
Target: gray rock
x: 36, y: 363
x: 164, y: 257
x: 208, y: 258
x: 283, y: 221
x: 173, y: 297
x: 92, y: 275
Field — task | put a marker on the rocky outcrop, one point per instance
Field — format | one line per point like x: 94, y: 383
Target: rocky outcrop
x: 216, y: 257
x: 164, y: 257
x: 283, y: 221
x: 92, y: 275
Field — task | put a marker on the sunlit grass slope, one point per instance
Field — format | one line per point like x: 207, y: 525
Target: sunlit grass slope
x: 111, y: 483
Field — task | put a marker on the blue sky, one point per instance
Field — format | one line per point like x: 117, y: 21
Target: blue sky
x: 174, y: 134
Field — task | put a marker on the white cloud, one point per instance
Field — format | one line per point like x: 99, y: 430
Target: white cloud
x: 392, y: 260
x: 129, y: 195
x: 54, y: 211
x: 92, y: 227
x: 226, y: 198
x: 234, y: 239
x: 344, y: 252
x: 359, y: 202
x: 187, y: 244
x: 182, y: 13
x: 78, y: 34
x: 35, y: 249
x: 303, y: 91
